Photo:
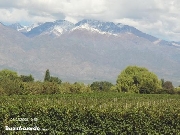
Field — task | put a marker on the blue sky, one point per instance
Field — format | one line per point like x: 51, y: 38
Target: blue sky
x: 160, y: 18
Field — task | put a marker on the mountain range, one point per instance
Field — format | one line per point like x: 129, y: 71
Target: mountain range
x: 87, y: 51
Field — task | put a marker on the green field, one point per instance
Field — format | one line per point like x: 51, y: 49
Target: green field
x: 93, y: 113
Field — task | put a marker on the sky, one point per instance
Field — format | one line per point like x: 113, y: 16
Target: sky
x: 160, y: 18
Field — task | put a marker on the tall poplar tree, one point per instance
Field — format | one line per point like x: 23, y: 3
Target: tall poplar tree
x: 47, y: 75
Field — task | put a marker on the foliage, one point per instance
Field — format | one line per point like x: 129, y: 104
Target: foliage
x: 137, y: 80
x: 168, y: 85
x: 12, y: 87
x: 65, y: 87
x: 167, y: 88
x: 26, y: 78
x: 162, y: 82
x: 132, y: 79
x: 50, y: 88
x: 79, y: 88
x: 177, y: 90
x: 55, y: 79
x: 101, y: 86
x: 2, y: 92
x: 41, y: 88
x: 32, y: 88
x: 6, y: 73
x: 47, y: 76
x: 92, y: 113
x: 10, y: 83
x: 50, y: 78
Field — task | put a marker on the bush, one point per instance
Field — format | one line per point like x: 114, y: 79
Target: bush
x: 101, y: 86
x: 50, y: 88
x: 79, y: 88
x: 26, y: 78
x: 11, y: 87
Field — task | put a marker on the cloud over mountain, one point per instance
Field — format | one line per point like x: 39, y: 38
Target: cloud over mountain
x: 158, y: 18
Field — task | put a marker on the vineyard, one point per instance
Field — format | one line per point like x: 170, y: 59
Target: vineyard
x: 90, y: 113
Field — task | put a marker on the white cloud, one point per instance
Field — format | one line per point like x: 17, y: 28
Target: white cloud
x: 157, y: 17
x: 13, y: 15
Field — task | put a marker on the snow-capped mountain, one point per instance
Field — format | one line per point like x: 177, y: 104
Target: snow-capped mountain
x: 29, y: 28
x: 55, y: 28
x: 86, y: 50
x: 176, y: 44
x: 108, y: 27
x: 16, y: 26
x: 113, y: 28
x: 60, y: 27
x: 23, y: 29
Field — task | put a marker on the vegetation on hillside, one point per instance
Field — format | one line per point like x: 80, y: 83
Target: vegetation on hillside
x: 133, y: 79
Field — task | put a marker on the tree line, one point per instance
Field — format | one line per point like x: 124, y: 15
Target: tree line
x: 133, y: 79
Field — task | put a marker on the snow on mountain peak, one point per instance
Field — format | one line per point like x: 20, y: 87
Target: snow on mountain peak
x: 16, y: 26
x: 176, y: 44
x: 59, y: 27
x: 97, y: 26
x: 91, y: 29
x: 120, y: 25
x: 29, y: 28
x: 108, y: 27
x: 87, y: 27
x: 56, y: 28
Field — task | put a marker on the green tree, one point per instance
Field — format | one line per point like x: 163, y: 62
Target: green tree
x: 138, y: 80
x: 26, y: 78
x: 47, y: 76
x: 162, y: 82
x: 55, y: 79
x: 65, y: 87
x: 168, y: 87
x: 101, y: 86
x: 177, y: 90
x: 10, y: 83
x: 12, y: 87
x: 6, y: 73
x: 78, y: 87
x: 50, y: 88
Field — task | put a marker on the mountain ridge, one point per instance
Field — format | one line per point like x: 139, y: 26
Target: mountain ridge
x: 87, y: 53
x: 57, y: 28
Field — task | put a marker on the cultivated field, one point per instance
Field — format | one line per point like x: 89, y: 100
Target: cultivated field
x: 90, y: 113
